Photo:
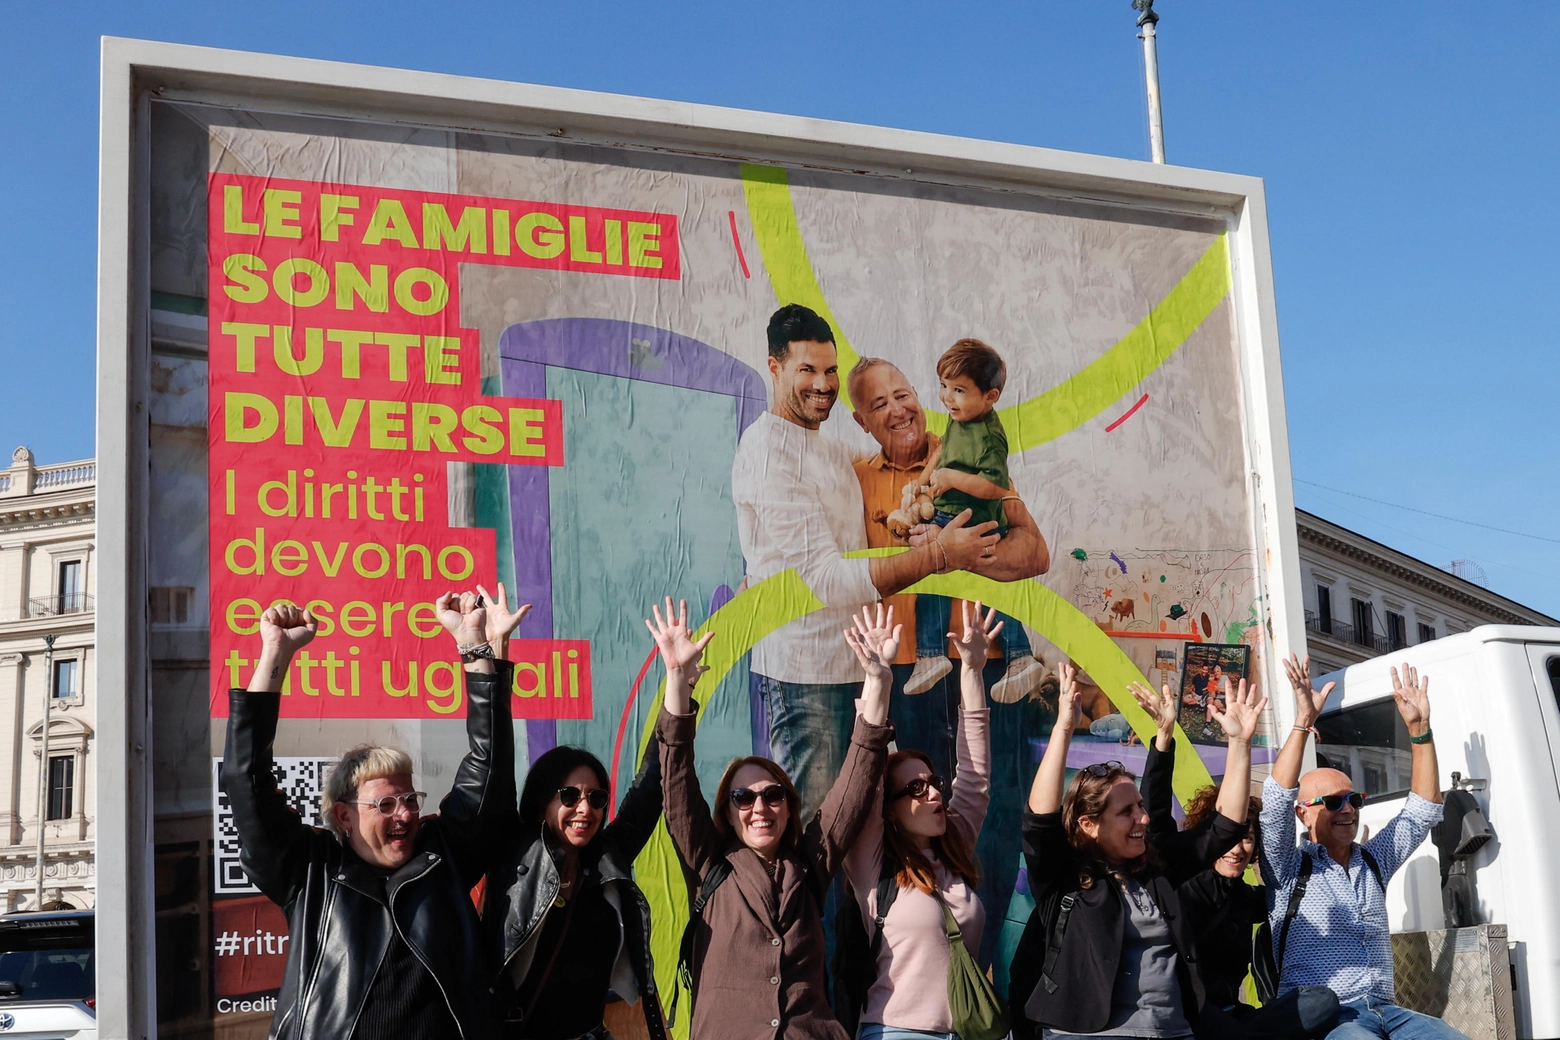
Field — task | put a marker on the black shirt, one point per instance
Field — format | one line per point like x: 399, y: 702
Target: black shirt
x: 1221, y: 912
x: 573, y: 998
x: 404, y: 1000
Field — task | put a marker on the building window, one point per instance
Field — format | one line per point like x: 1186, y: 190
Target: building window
x: 62, y: 783
x: 169, y: 604
x: 72, y: 597
x: 66, y: 672
x: 1324, y: 609
x: 1364, y: 629
x: 1397, y: 630
x: 1426, y: 632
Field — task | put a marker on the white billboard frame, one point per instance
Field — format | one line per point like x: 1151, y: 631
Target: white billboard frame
x: 134, y: 72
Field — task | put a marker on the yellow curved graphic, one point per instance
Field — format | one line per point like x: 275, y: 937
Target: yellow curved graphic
x: 1059, y: 410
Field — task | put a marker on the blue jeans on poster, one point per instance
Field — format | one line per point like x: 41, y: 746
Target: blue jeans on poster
x: 934, y: 620
x: 1377, y: 1020
x: 878, y: 1031
x: 809, y: 732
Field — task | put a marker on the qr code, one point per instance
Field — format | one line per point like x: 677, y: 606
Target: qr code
x: 301, y: 781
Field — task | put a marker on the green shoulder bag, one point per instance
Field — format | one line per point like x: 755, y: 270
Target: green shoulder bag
x: 978, y: 1013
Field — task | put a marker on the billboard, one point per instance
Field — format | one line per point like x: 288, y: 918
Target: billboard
x: 390, y: 359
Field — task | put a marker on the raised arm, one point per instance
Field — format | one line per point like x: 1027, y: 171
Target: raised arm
x: 1045, y: 795
x: 1412, y: 695
x: 1242, y: 712
x: 479, y: 811
x: 688, y: 818
x: 1308, y: 707
x: 1158, y: 773
x: 273, y: 840
x: 972, y: 780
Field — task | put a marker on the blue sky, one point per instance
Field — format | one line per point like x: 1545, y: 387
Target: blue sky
x: 1409, y: 152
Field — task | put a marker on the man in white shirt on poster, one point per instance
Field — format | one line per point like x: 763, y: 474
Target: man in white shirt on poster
x: 799, y: 506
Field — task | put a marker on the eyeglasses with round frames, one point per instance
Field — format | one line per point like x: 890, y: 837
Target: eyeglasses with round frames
x: 744, y: 797
x: 596, y: 797
x: 413, y: 800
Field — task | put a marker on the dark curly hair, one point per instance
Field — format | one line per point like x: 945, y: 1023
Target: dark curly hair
x: 1199, y: 811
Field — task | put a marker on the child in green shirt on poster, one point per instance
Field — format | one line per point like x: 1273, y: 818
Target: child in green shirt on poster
x: 971, y: 473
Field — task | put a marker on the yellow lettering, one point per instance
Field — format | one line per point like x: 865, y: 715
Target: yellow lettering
x: 282, y: 282
x: 256, y: 547
x: 432, y: 425
x: 296, y: 558
x: 350, y: 341
x: 357, y: 618
x: 313, y: 351
x: 579, y: 250
x: 540, y: 235
x: 526, y: 432
x: 500, y: 232
x: 235, y: 409
x: 385, y: 422
x: 390, y: 221
x: 440, y: 355
x: 233, y: 222
x: 438, y: 291
x: 246, y: 334
x: 479, y: 421
x: 373, y: 291
x: 336, y: 434
x: 644, y: 241
x: 275, y: 203
x: 333, y: 216
x: 246, y: 623
x: 438, y: 234
x: 397, y: 342
x: 242, y: 268
x: 614, y: 244
x: 450, y: 689
x: 423, y: 622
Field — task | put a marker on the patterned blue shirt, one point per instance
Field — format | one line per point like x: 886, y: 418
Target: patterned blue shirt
x: 1341, y: 937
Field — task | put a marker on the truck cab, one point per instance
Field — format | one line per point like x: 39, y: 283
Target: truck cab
x: 1495, y: 712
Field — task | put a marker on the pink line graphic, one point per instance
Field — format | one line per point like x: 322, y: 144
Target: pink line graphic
x: 732, y: 214
x: 1130, y: 413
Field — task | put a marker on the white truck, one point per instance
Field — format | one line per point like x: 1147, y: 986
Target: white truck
x: 1495, y: 711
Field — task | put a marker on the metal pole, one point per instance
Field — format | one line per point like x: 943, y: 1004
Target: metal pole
x: 1156, y: 125
x: 43, y: 760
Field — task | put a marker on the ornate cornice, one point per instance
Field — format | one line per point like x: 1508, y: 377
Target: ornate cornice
x: 29, y: 513
x: 1315, y: 531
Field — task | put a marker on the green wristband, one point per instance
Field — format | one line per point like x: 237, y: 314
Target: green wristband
x: 1424, y: 738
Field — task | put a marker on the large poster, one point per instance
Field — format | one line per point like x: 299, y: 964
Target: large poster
x: 425, y: 359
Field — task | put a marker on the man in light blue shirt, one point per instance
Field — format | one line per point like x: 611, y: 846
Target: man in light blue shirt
x: 1340, y: 936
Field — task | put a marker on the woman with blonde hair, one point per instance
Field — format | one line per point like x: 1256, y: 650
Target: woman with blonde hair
x: 917, y: 855
x: 756, y: 871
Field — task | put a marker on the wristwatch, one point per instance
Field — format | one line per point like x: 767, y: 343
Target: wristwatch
x: 470, y: 652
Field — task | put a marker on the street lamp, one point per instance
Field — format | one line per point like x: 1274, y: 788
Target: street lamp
x: 1156, y: 125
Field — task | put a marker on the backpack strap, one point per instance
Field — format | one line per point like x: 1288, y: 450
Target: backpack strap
x: 1302, y: 882
x: 887, y: 892
x: 713, y: 878
x: 1053, y: 944
x: 1375, y: 867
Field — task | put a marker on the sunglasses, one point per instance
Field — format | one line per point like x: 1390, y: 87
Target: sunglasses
x: 743, y: 797
x: 1103, y: 768
x: 596, y: 797
x: 413, y: 800
x: 1334, y: 802
x: 918, y: 787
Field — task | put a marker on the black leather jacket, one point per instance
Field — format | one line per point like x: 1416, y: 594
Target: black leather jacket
x: 523, y: 884
x: 339, y: 912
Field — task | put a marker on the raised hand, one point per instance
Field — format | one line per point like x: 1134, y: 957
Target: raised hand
x: 874, y: 637
x: 1309, y: 702
x: 1162, y: 707
x: 978, y: 633
x: 679, y: 651
x: 501, y: 622
x: 285, y: 629
x: 1242, y: 711
x: 463, y: 615
x: 1069, y: 698
x: 1412, y: 694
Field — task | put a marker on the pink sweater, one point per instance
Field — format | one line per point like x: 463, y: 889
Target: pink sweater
x: 911, y: 990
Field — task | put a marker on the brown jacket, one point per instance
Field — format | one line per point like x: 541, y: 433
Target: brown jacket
x: 758, y: 958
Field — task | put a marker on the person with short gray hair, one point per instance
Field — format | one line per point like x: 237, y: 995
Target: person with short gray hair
x: 384, y: 941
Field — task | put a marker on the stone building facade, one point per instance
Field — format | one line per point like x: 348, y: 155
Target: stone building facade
x: 1363, y: 598
x: 47, y: 580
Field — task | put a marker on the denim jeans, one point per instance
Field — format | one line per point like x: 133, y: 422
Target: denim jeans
x: 809, y: 732
x: 934, y: 620
x: 878, y: 1031
x: 1375, y: 1020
